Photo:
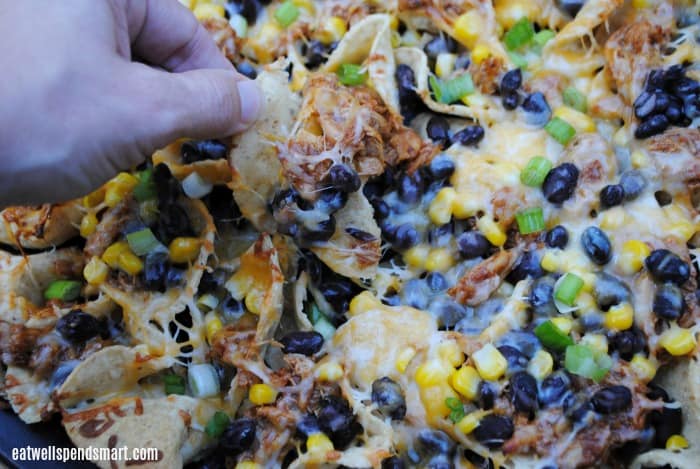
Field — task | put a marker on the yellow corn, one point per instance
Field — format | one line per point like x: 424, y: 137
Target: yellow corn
x: 299, y: 77
x: 476, y: 100
x: 433, y: 372
x: 467, y: 28
x: 440, y: 210
x: 619, y: 317
x: 205, y: 11
x: 307, y: 5
x: 489, y: 362
x: 112, y: 253
x: 417, y: 256
x: 329, y: 371
x: 578, y: 120
x: 508, y: 12
x: 239, y: 285
x: 265, y: 42
x: 333, y: 29
x: 541, y: 365
x: 585, y: 302
x: 248, y: 465
x: 682, y: 229
x: 465, y: 205
x: 433, y: 399
x: 563, y: 323
x: 597, y: 342
x: 319, y: 443
x: 439, y: 259
x: 95, y: 271
x: 677, y: 341
x: 404, y: 358
x: 212, y: 324
x: 480, y: 53
x: 470, y: 421
x: 94, y: 198
x: 551, y: 260
x: 130, y: 263
x: 642, y: 3
x: 183, y: 250
x: 119, y: 187
x: 88, y: 224
x: 491, y: 230
x: 445, y: 64
x: 253, y: 300
x: 365, y: 301
x: 261, y: 394
x: 644, y: 368
x: 639, y: 159
x: 632, y: 255
x: 451, y: 353
x: 466, y: 382
x: 676, y: 443
x: 613, y: 218
x: 393, y: 22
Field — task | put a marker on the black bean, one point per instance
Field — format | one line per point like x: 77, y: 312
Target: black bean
x: 473, y: 244
x: 463, y: 61
x: 438, y: 130
x: 510, y: 100
x: 441, y: 167
x: 438, y: 234
x: 686, y: 86
x: 409, y: 101
x: 239, y: 435
x: 338, y: 293
x: 337, y: 421
x: 527, y: 265
x: 478, y: 461
x: 517, y: 360
x: 553, y: 388
x: 344, y: 178
x: 406, y: 236
x: 628, y: 343
x: 665, y: 266
x: 436, y: 281
x: 322, y: 231
x: 494, y: 430
x: 415, y: 293
x: 560, y: 183
x: 610, y: 291
x: 447, y: 311
x: 393, y: 462
x: 331, y: 199
x: 308, y: 425
x: 155, y: 270
x: 221, y: 205
x: 644, y: 104
x: 596, y: 245
x: 303, y: 342
x: 193, y: 151
x: 662, y: 102
x: 576, y: 407
x: 360, y: 235
x: 439, y: 461
x: 633, y: 183
x: 611, y: 195
x: 612, y: 399
x: 232, y: 309
x: 435, y: 442
x: 572, y: 7
x: 655, y: 79
x: 663, y: 198
x: 653, y: 126
x: 388, y: 396
x: 315, y: 53
x: 471, y: 135
x: 542, y: 297
x: 537, y: 110
x: 523, y: 388
x: 175, y: 277
x: 668, y: 302
x: 411, y: 187
x: 674, y: 113
x: 172, y: 222
x: 512, y: 80
x: 666, y: 422
x: 381, y: 208
x: 487, y: 395
x: 77, y: 326
x: 439, y: 45
x: 557, y: 237
x: 247, y: 69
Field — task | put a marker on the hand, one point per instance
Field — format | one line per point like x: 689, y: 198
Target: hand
x: 75, y: 109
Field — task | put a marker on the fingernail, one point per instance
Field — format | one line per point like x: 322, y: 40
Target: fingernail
x: 251, y: 101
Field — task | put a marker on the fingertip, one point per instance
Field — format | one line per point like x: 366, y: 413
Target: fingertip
x: 251, y: 103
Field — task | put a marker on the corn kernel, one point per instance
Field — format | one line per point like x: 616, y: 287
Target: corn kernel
x: 490, y: 363
x: 299, y: 77
x: 541, y: 365
x: 212, y: 324
x: 393, y: 22
x: 578, y: 120
x: 112, y: 253
x: 307, y: 5
x: 248, y: 465
x: 563, y: 323
x: 440, y: 210
x: 265, y: 42
x: 585, y: 302
x: 480, y: 53
x: 470, y: 421
x: 550, y: 261
x: 491, y: 230
x: 596, y: 342
x: 465, y: 205
x: 319, y: 443
x: 644, y: 368
x: 329, y: 371
x: 451, y: 353
x: 639, y: 159
x: 239, y: 285
x: 433, y: 372
x: 642, y: 3
x: 681, y: 229
x: 439, y: 259
x: 677, y: 341
x: 333, y: 29
x: 183, y: 250
x: 204, y: 11
x: 95, y: 271
x: 433, y: 399
x: 119, y: 187
x: 94, y: 198
x: 253, y: 300
x: 619, y: 317
x: 676, y: 443
x: 417, y: 256
x: 467, y: 28
x: 88, y: 224
x: 632, y: 255
x: 476, y: 100
x: 404, y: 358
x: 466, y: 382
x: 365, y: 301
x: 130, y: 263
x: 509, y: 12
x: 613, y: 218
x: 261, y: 394
x: 445, y: 64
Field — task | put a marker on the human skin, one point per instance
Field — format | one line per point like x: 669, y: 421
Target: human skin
x: 92, y: 87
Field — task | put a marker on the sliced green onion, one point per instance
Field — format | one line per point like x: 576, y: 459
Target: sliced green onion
x: 535, y: 171
x: 287, y: 13
x: 143, y: 242
x: 314, y: 313
x: 552, y: 337
x: 456, y: 408
x: 239, y: 24
x: 195, y: 186
x: 543, y: 37
x: 518, y: 59
x: 351, y: 74
x: 174, y: 384
x: 575, y: 99
x: 520, y: 34
x: 568, y: 288
x: 64, y: 290
x: 146, y: 188
x: 325, y: 328
x: 530, y: 220
x: 560, y: 130
x: 203, y: 380
x: 583, y: 361
x: 447, y: 92
x: 207, y: 302
x: 216, y: 424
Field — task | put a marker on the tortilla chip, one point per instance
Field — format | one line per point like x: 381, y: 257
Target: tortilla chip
x: 40, y: 227
x: 27, y: 394
x: 213, y: 171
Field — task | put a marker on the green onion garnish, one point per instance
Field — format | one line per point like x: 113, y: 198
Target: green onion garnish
x: 174, y: 384
x: 64, y: 290
x: 146, y: 188
x: 530, y: 220
x: 216, y: 424
x: 560, y: 130
x: 325, y: 328
x: 287, y: 13
x: 520, y: 34
x: 568, y: 289
x: 456, y: 409
x: 351, y: 74
x: 583, y: 361
x: 552, y: 337
x: 535, y: 171
x: 575, y: 99
x: 143, y: 242
x: 447, y: 92
x: 203, y: 380
x: 543, y: 37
